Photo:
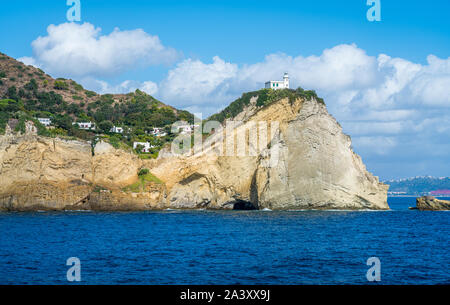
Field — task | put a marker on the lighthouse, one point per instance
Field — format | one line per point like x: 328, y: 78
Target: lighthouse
x: 286, y: 80
x: 276, y: 84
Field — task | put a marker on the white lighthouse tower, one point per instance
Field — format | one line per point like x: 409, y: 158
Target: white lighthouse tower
x: 275, y: 84
x: 286, y: 80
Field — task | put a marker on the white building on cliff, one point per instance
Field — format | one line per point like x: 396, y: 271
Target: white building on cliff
x: 282, y: 84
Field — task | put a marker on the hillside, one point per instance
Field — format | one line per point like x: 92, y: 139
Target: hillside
x: 27, y: 93
x: 304, y: 162
x: 265, y: 98
x: 419, y: 186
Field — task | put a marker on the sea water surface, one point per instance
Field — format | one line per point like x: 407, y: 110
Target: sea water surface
x: 227, y: 247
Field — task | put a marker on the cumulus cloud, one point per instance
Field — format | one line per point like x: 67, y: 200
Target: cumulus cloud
x: 396, y: 110
x: 29, y: 61
x: 193, y: 82
x: 104, y: 87
x: 77, y: 50
x: 388, y: 105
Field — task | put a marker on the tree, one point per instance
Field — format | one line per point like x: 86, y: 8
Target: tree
x: 12, y: 93
x: 105, y: 126
x: 31, y: 85
x: 139, y: 148
x: 60, y: 85
x: 63, y: 121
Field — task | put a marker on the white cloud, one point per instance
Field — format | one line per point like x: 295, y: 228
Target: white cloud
x: 349, y: 79
x: 193, y: 82
x: 124, y: 87
x: 394, y: 109
x: 29, y: 61
x: 379, y: 144
x: 78, y: 50
x: 391, y: 106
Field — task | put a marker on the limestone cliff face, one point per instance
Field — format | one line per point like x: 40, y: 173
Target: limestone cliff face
x: 307, y: 163
x: 39, y: 173
x: 53, y: 174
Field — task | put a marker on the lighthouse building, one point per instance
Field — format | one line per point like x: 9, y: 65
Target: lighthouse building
x: 282, y: 84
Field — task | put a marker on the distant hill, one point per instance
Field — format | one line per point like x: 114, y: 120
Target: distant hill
x: 27, y: 93
x: 420, y: 186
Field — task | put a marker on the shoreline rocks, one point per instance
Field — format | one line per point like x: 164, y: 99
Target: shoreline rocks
x: 430, y: 203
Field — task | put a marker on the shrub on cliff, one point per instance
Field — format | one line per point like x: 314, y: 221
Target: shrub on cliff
x: 265, y: 98
x: 143, y: 172
x: 60, y: 85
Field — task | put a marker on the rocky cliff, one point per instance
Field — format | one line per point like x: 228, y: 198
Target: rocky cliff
x: 429, y: 203
x: 306, y: 163
x: 40, y: 173
x: 313, y: 166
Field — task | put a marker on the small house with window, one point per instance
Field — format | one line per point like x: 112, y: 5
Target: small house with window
x: 116, y: 129
x: 85, y: 125
x: 45, y: 121
x: 275, y: 84
x: 146, y: 146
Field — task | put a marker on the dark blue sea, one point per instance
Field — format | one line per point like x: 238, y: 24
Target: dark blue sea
x: 227, y: 247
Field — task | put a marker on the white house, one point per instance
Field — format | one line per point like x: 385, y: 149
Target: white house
x: 116, y: 129
x: 275, y: 84
x: 159, y: 132
x: 45, y: 121
x: 85, y: 125
x: 185, y: 129
x: 147, y: 146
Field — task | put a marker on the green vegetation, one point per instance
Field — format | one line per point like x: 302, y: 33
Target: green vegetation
x: 60, y: 85
x: 105, y: 126
x: 145, y: 178
x: 137, y: 112
x: 31, y: 85
x: 265, y: 98
x: 77, y: 86
x: 90, y: 93
x: 24, y: 117
x: 143, y: 172
x: 148, y: 156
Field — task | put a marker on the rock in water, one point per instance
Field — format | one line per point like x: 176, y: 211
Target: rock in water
x: 429, y: 203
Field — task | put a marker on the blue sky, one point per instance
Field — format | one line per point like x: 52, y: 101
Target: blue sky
x: 378, y: 78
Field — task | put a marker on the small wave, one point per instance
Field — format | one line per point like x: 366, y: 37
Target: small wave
x: 266, y: 210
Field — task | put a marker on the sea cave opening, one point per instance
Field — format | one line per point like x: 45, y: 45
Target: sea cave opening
x: 241, y: 205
